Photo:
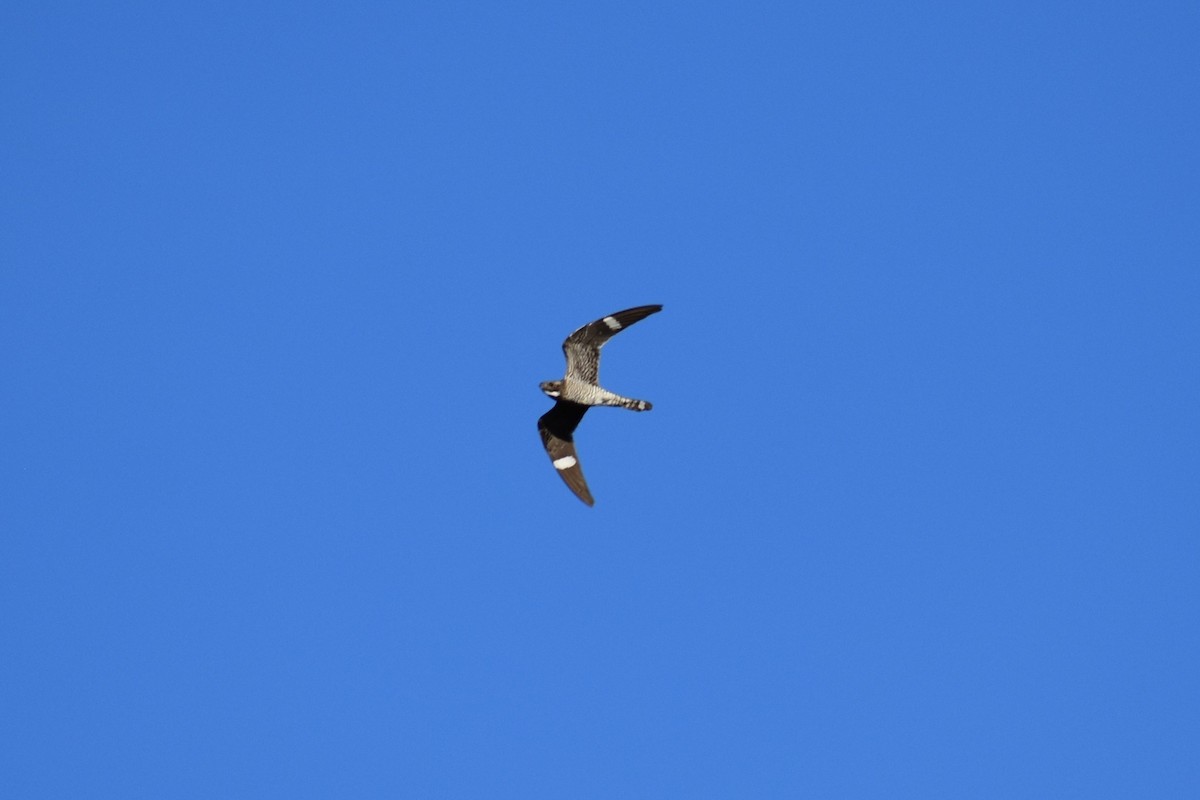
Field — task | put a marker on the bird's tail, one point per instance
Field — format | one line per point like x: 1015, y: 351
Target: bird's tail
x: 635, y: 405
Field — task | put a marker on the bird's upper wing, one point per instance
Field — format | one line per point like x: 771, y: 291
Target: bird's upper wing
x: 582, y: 347
x: 557, y: 427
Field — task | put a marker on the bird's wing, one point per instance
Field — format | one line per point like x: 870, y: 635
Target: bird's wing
x: 582, y: 347
x: 557, y: 427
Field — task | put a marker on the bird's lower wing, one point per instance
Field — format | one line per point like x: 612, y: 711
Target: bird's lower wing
x: 557, y: 428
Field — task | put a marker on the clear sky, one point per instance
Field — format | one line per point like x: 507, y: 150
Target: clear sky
x: 915, y: 514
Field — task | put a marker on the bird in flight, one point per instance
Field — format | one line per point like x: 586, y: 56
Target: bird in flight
x: 580, y: 389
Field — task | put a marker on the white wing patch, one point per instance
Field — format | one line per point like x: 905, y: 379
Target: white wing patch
x: 566, y: 462
x: 612, y: 323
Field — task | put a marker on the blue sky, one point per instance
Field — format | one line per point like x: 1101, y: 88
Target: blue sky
x: 915, y: 513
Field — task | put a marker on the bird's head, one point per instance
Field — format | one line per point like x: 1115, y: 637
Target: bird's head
x: 552, y: 388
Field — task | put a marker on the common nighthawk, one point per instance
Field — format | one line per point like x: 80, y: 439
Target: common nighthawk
x: 580, y: 389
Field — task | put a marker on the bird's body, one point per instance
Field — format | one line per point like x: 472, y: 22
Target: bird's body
x: 579, y: 390
x: 589, y: 394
